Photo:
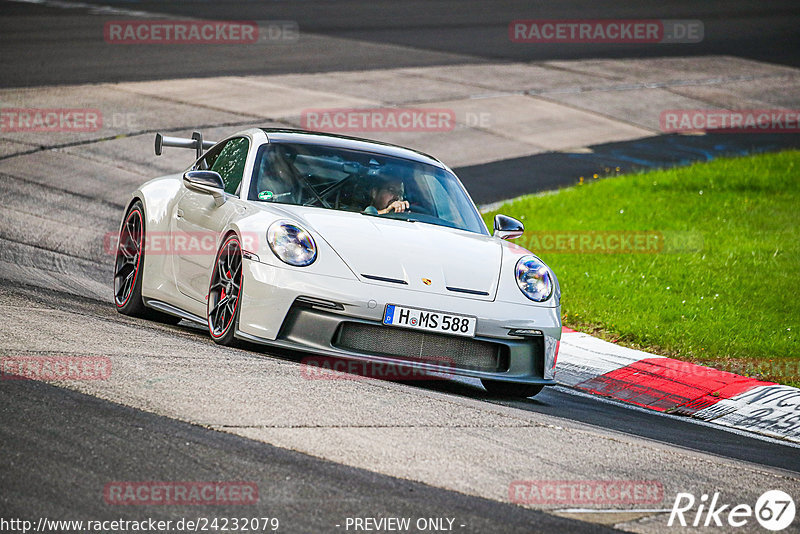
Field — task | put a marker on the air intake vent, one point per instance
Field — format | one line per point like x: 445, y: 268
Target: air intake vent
x: 468, y: 291
x: 384, y: 279
x: 459, y: 352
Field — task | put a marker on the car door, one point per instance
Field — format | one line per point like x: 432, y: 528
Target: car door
x: 198, y: 221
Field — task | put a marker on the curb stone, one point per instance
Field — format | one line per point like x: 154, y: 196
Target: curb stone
x: 673, y: 386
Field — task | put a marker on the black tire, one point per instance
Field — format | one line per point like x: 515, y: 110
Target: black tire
x: 224, y: 292
x: 129, y: 263
x: 511, y: 389
x: 129, y: 268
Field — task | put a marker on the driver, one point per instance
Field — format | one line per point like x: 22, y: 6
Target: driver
x: 386, y: 196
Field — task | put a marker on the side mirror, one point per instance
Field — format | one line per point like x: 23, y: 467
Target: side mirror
x: 506, y: 227
x: 207, y: 182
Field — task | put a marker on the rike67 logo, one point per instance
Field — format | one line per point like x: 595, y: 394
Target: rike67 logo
x: 774, y: 510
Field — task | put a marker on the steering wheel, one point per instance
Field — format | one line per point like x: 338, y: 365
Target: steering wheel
x: 416, y: 207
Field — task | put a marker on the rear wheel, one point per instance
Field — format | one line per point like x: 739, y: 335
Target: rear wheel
x: 224, y: 293
x: 510, y: 389
x: 128, y: 263
x: 129, y: 266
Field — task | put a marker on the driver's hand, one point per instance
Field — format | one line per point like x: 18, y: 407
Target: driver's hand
x: 398, y: 206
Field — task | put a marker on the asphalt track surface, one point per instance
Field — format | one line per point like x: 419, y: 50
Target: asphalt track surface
x: 91, y: 442
x: 44, y: 45
x: 59, y: 446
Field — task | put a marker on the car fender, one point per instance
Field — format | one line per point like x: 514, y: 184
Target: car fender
x: 260, y: 300
x: 158, y: 197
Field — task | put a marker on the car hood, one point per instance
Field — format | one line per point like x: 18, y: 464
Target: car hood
x: 417, y: 256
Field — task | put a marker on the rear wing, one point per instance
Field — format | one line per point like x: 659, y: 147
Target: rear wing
x: 196, y: 142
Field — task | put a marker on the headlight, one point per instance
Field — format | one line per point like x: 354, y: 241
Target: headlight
x: 291, y: 244
x: 535, y: 279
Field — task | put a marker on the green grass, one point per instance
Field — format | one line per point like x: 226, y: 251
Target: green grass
x: 725, y: 289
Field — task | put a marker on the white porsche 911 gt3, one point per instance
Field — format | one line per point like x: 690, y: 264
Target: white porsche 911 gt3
x: 344, y: 247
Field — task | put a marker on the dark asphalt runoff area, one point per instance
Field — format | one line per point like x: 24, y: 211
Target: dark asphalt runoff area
x: 59, y: 467
x: 510, y: 178
x: 612, y: 415
x: 45, y: 45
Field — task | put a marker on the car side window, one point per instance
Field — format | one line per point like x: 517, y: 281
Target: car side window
x: 208, y: 159
x: 228, y: 160
x: 229, y: 163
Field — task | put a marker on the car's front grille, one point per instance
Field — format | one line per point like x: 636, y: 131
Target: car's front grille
x: 454, y: 351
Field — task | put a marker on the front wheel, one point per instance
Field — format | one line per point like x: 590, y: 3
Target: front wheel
x: 224, y: 293
x: 510, y: 389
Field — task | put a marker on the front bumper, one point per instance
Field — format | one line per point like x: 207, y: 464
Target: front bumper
x: 330, y: 307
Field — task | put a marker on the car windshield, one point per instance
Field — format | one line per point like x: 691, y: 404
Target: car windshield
x: 364, y: 182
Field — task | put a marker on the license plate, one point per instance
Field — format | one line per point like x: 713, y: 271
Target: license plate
x: 431, y: 321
